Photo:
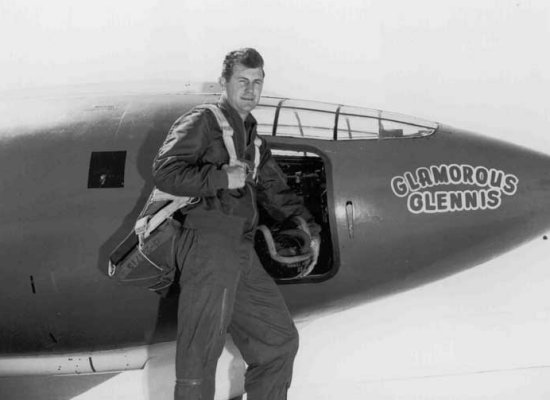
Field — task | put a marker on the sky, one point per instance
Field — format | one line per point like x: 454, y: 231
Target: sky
x: 475, y: 64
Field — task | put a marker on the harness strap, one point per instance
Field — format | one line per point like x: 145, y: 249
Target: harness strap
x: 228, y: 139
x: 144, y: 226
x: 158, y: 195
x: 227, y: 132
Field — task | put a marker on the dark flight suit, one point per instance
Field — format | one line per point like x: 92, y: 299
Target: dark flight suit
x: 223, y: 285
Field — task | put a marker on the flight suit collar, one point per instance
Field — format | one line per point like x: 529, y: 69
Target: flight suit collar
x: 249, y: 123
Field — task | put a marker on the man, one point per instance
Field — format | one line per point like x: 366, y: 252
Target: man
x: 223, y: 285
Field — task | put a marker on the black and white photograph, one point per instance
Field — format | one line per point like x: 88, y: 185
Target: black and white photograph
x: 274, y: 200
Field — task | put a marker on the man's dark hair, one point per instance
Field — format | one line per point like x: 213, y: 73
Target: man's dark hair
x: 248, y: 57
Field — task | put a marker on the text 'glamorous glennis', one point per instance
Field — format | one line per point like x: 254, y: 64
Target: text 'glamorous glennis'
x: 490, y: 185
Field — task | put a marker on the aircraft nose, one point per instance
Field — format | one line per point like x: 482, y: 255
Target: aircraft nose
x: 456, y: 200
x: 516, y: 183
x: 531, y: 202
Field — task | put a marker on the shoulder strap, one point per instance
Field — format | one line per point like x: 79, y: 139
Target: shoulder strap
x: 227, y: 132
x: 228, y: 138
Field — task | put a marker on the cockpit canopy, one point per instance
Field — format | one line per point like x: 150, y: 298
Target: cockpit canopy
x: 316, y: 120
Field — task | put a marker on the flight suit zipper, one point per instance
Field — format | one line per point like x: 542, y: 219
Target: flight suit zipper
x: 252, y: 195
x: 222, y: 315
x: 254, y: 206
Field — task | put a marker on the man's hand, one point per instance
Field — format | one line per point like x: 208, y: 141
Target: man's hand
x: 236, y: 175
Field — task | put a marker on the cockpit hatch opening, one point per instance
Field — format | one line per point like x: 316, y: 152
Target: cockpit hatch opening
x: 306, y: 176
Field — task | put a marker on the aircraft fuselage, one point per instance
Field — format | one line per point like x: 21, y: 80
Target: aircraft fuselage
x: 400, y: 211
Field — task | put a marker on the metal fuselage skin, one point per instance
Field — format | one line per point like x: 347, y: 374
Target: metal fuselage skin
x: 56, y: 233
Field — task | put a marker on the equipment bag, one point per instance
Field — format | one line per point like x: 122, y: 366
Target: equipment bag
x: 141, y: 259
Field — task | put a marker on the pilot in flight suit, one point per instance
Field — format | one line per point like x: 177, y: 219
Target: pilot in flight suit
x: 223, y: 286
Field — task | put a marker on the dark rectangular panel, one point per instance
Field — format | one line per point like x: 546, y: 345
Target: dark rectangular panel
x: 107, y: 169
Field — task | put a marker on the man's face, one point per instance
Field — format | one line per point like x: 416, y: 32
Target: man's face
x: 244, y: 88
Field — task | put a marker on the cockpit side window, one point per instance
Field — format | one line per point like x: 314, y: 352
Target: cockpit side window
x: 305, y: 123
x: 362, y: 123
